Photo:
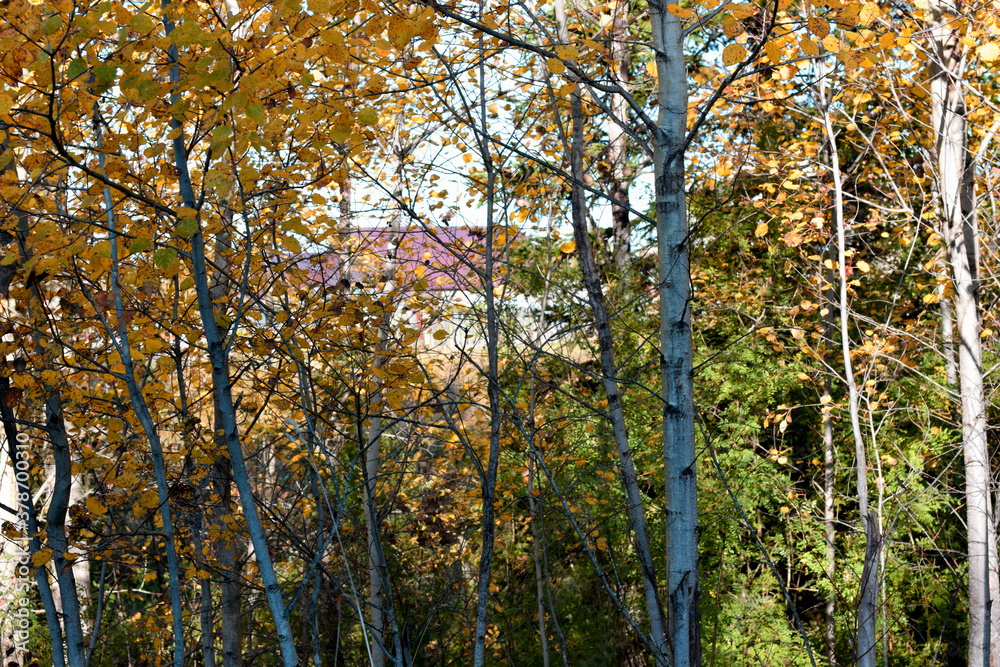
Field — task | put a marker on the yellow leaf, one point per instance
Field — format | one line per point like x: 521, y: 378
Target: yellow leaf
x: 732, y: 54
x: 831, y: 43
x: 761, y: 230
x: 149, y: 499
x: 989, y: 51
x: 568, y: 247
x: 567, y: 52
x: 651, y: 68
x: 773, y: 52
x: 743, y: 11
x: 868, y: 13
x: 41, y: 558
x: 555, y: 66
x: 819, y: 27
x: 680, y: 12
x: 863, y: 265
x: 95, y: 506
x: 809, y: 47
x: 440, y: 334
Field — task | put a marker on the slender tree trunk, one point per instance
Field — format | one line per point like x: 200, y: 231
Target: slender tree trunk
x: 676, y: 356
x: 30, y: 527
x: 947, y: 330
x: 55, y: 530
x: 189, y: 427
x: 141, y: 411
x: 535, y: 544
x: 489, y: 476
x: 829, y: 484
x: 865, y: 652
x: 959, y: 227
x: 377, y: 567
x: 205, y: 588
x: 619, y: 178
x: 218, y: 356
x: 378, y: 570
x: 229, y: 548
x: 81, y: 563
x: 227, y: 553
x: 543, y: 588
x: 592, y: 283
x: 20, y: 448
x: 532, y: 503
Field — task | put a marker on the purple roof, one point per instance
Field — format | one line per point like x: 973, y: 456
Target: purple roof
x: 447, y: 256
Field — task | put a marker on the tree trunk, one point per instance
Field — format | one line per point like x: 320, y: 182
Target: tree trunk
x: 955, y: 171
x: 619, y: 177
x: 947, y: 332
x: 18, y: 449
x: 81, y: 564
x: 141, y: 411
x: 218, y: 356
x: 55, y: 530
x: 630, y: 482
x: 679, y: 454
x: 539, y: 578
x: 865, y: 652
x: 488, y: 477
x: 378, y: 569
x: 227, y: 553
x: 829, y: 484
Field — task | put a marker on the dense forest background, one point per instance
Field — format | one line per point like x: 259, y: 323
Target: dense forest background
x: 358, y: 332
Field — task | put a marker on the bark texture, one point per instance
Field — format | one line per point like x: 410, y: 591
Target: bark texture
x: 618, y: 174
x: 674, y: 276
x: 959, y: 229
x: 630, y: 482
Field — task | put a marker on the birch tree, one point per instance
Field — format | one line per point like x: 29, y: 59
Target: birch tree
x: 955, y: 173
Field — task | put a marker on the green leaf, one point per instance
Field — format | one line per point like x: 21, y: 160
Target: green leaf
x: 76, y: 68
x: 102, y: 249
x: 165, y: 258
x: 340, y: 133
x: 52, y: 24
x: 187, y: 228
x: 222, y: 137
x: 104, y: 77
x: 255, y: 112
x: 140, y: 245
x: 367, y: 116
x: 141, y: 23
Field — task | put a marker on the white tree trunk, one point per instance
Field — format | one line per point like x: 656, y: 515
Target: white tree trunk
x: 829, y: 486
x: 955, y: 170
x: 865, y: 652
x: 619, y: 178
x: 377, y: 566
x: 679, y: 454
